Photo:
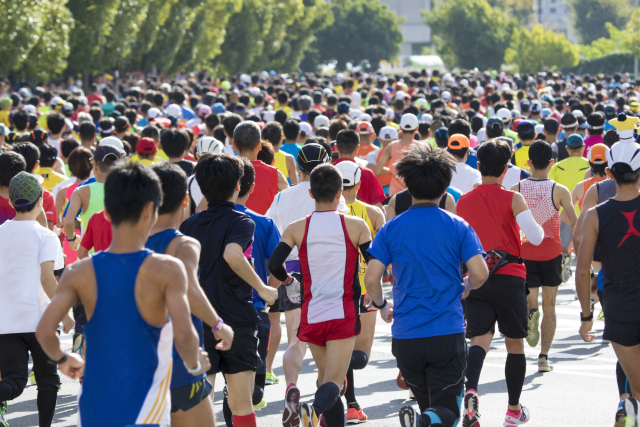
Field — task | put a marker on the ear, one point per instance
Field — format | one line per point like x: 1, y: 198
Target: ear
x: 311, y: 194
x: 237, y: 186
x: 609, y: 174
x: 185, y: 201
x: 106, y: 215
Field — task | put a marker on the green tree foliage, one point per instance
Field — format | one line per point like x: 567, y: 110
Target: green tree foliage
x: 120, y: 37
x: 521, y: 10
x: 470, y: 33
x: 631, y: 37
x: 618, y: 42
x: 364, y: 32
x: 539, y: 49
x: 590, y: 17
x: 157, y: 14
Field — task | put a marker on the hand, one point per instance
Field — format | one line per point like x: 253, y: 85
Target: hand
x: 75, y: 245
x: 67, y: 324
x: 387, y: 312
x: 465, y: 294
x: 292, y: 287
x: 585, y: 327
x: 73, y: 367
x: 225, y: 336
x: 205, y: 364
x: 368, y: 303
x: 268, y: 294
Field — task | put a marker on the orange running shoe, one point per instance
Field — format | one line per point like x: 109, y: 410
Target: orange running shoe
x: 355, y: 417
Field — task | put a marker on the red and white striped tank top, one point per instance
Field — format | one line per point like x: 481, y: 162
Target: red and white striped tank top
x: 329, y: 264
x: 539, y: 197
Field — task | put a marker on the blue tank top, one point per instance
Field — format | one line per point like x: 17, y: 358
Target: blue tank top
x: 180, y: 376
x: 128, y: 362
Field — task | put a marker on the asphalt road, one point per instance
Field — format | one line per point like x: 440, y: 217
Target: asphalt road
x: 580, y: 392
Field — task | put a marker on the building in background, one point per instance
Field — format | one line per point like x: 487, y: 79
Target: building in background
x: 556, y: 15
x: 416, y: 33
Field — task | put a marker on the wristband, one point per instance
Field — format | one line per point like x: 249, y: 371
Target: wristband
x: 75, y: 237
x: 379, y: 307
x: 58, y: 362
x: 586, y: 319
x: 219, y: 325
x: 289, y: 280
x: 196, y: 370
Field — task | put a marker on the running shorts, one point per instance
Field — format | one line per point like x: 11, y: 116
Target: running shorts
x: 189, y: 396
x: 264, y: 330
x: 282, y: 303
x: 331, y: 330
x: 566, y: 238
x: 241, y: 357
x: 503, y: 298
x: 626, y: 334
x: 544, y: 273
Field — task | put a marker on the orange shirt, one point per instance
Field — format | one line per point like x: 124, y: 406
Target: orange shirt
x: 365, y: 149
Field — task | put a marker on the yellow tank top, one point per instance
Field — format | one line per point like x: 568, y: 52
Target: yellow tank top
x: 359, y: 209
x: 281, y: 163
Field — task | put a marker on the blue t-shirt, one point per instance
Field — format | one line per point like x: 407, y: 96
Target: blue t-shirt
x: 187, y: 113
x: 265, y: 239
x: 472, y: 160
x: 425, y: 246
x: 290, y: 148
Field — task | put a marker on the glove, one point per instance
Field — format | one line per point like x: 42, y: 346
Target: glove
x: 292, y: 287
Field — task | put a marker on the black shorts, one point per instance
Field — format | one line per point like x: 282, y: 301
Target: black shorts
x: 264, y: 330
x: 188, y: 396
x: 544, y: 273
x: 241, y: 357
x: 626, y: 334
x: 439, y: 361
x: 283, y: 304
x: 503, y: 299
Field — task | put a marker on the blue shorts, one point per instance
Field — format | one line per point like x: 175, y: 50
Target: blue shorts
x: 188, y: 396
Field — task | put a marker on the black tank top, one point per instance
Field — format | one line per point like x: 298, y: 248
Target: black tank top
x: 563, y: 153
x: 403, y: 201
x: 619, y: 241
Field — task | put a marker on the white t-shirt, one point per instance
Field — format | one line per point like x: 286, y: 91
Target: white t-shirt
x: 465, y: 177
x: 194, y: 190
x: 24, y: 245
x: 512, y: 177
x: 56, y: 143
x: 372, y: 157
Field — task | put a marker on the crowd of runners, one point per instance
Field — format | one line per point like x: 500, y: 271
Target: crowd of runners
x: 167, y: 224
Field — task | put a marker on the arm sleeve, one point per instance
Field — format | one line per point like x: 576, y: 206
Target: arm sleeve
x: 277, y: 259
x: 531, y: 229
x: 363, y: 251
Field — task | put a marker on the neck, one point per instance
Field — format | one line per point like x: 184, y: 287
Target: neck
x: 87, y: 144
x: 55, y: 135
x: 167, y: 222
x: 577, y: 153
x: 349, y: 156
x: 326, y: 206
x: 127, y: 238
x: 350, y: 196
x: 175, y: 159
x: 27, y: 216
x: 543, y: 174
x: 526, y: 142
x: 305, y: 177
x: 251, y: 155
x: 415, y: 201
x: 290, y: 141
x: 490, y: 180
x: 626, y: 192
x: 552, y: 138
x: 242, y: 200
x: 406, y: 139
x: 4, y: 191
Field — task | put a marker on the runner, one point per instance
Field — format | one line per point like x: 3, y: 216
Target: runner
x: 393, y: 152
x: 526, y: 134
x: 544, y: 261
x: 495, y: 214
x: 386, y: 136
x: 362, y: 350
x: 330, y: 321
x: 142, y: 305
x: 291, y: 130
x: 464, y: 178
x: 598, y: 163
x: 285, y: 162
x: 425, y: 246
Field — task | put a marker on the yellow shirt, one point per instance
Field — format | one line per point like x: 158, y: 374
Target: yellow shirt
x: 569, y: 172
x: 521, y: 156
x: 4, y: 117
x: 359, y: 209
x: 51, y: 178
x: 281, y: 163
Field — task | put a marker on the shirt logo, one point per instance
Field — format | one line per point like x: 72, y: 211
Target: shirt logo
x: 632, y: 230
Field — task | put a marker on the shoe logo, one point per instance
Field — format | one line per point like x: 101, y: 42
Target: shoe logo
x: 632, y: 229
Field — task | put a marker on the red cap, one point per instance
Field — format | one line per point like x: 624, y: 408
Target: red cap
x: 146, y: 146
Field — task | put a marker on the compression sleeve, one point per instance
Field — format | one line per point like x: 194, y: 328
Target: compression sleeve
x: 277, y: 259
x: 531, y: 229
x: 363, y: 251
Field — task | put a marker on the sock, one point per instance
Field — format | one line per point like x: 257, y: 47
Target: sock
x: 350, y: 393
x: 474, y: 367
x: 513, y: 413
x: 543, y: 355
x: 326, y: 397
x: 260, y: 380
x: 354, y: 406
x: 334, y: 416
x: 438, y: 416
x: 515, y: 370
x: 244, y: 420
x: 621, y: 378
x: 359, y: 360
x: 46, y: 402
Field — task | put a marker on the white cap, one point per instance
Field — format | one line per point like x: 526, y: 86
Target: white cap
x: 268, y: 115
x: 55, y: 100
x: 421, y: 103
x: 504, y: 114
x: 365, y: 118
x: 624, y: 153
x: 426, y: 118
x: 208, y: 144
x: 354, y: 113
x: 67, y: 106
x: 464, y: 82
x: 355, y: 98
x: 320, y: 120
x: 84, y: 117
x: 539, y: 129
x: 400, y: 94
x: 306, y: 128
x: 577, y: 113
x: 31, y: 109
x: 388, y: 133
x: 390, y: 113
x: 326, y: 91
x: 254, y: 91
x: 83, y: 100
x: 350, y: 172
x: 479, y: 90
x: 446, y: 95
x: 153, y: 113
x: 113, y: 142
x: 408, y: 122
x: 174, y: 110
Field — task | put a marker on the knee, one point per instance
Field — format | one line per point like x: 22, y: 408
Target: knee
x: 13, y: 387
x: 359, y: 360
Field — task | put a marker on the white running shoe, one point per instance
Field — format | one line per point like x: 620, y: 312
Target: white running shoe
x: 510, y: 421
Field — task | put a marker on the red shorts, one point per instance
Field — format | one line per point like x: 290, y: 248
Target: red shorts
x: 331, y: 330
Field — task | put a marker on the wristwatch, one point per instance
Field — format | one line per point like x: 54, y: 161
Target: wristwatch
x: 219, y: 325
x: 379, y: 307
x: 75, y: 237
x: 58, y: 362
x: 586, y: 319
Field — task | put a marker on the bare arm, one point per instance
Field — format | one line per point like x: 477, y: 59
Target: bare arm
x: 567, y: 203
x: 450, y: 204
x: 60, y: 196
x: 590, y: 201
x: 376, y: 216
x: 282, y: 182
x: 583, y: 270
x: 234, y: 256
x: 478, y: 272
x: 391, y: 209
x: 68, y: 221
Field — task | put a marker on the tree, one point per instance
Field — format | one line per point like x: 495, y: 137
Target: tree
x: 590, y: 17
x: 470, y: 33
x: 539, y: 49
x: 122, y: 34
x: 521, y: 10
x: 631, y: 37
x: 157, y: 14
x: 618, y: 42
x: 364, y: 32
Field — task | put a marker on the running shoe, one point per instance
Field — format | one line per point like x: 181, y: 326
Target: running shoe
x: 601, y: 315
x: 32, y: 378
x: 566, y: 268
x: 627, y: 413
x: 271, y: 379
x: 534, y: 330
x: 307, y: 415
x: 3, y: 412
x: 260, y: 405
x: 355, y: 416
x: 290, y: 416
x: 544, y: 365
x: 408, y: 417
x: 471, y: 415
x: 513, y: 419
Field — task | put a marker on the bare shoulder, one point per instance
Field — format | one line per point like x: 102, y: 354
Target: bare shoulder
x: 374, y: 212
x: 162, y: 267
x: 79, y: 271
x: 355, y: 223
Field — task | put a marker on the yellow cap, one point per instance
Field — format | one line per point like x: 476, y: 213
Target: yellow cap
x: 624, y: 122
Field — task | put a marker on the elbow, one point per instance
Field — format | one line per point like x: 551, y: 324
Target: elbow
x: 41, y: 332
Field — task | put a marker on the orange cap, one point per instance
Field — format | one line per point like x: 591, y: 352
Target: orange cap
x: 598, y: 154
x: 458, y: 142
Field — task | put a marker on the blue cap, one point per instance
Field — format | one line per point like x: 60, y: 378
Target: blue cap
x: 575, y: 140
x: 218, y: 108
x: 495, y: 121
x: 526, y: 126
x: 545, y: 112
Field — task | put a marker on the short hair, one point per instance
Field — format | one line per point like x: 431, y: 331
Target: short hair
x: 347, y: 141
x: 95, y: 113
x: 174, y: 142
x: 80, y: 163
x: 121, y: 124
x: 335, y: 127
x: 68, y: 145
x: 249, y: 177
x: 291, y: 129
x: 55, y: 122
x: 460, y: 126
x: 623, y: 174
x: 128, y: 189
x: 610, y: 137
x: 272, y: 132
x: 211, y: 121
x: 218, y: 133
x: 493, y: 155
x: 427, y: 171
x: 106, y: 165
x: 280, y: 117
x: 326, y: 182
x: 21, y: 120
x: 48, y: 155
x: 266, y: 154
x: 217, y: 175
x: 11, y: 164
x: 540, y: 154
x: 173, y: 181
x: 29, y: 152
x: 246, y: 136
x: 230, y: 122
x: 551, y: 125
x: 150, y: 131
